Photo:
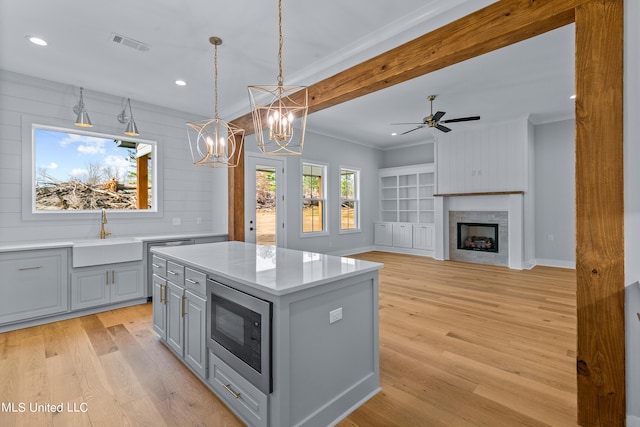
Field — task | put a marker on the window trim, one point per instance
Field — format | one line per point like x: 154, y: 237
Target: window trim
x: 29, y: 171
x: 357, y: 204
x: 324, y: 199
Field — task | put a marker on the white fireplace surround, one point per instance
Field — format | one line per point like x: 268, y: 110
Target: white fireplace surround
x: 513, y: 203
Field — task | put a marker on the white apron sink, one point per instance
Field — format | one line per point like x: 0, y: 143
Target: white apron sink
x: 106, y: 251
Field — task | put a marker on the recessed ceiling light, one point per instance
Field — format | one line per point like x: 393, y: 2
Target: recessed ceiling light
x: 181, y: 83
x: 394, y: 134
x: 36, y: 40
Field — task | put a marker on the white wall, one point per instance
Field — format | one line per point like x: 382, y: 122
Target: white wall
x: 413, y: 155
x: 188, y: 190
x: 554, y: 193
x: 632, y: 206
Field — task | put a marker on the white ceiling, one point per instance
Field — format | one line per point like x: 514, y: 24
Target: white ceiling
x: 321, y: 38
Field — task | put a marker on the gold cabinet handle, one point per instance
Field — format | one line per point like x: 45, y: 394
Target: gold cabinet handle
x: 113, y: 277
x: 29, y: 268
x: 162, y: 298
x: 107, y: 277
x: 184, y: 311
x: 233, y: 393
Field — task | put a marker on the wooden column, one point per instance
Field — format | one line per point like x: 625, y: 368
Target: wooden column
x: 236, y: 196
x: 142, y: 182
x: 600, y: 213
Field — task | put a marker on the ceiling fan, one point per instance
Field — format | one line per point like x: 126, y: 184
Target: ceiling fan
x: 433, y: 120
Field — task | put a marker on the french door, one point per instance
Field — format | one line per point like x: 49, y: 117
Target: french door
x: 264, y: 202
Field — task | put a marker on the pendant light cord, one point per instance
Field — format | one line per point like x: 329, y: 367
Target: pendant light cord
x: 215, y: 85
x: 280, y: 43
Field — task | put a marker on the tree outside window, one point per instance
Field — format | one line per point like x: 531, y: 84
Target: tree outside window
x: 349, y: 199
x: 313, y: 198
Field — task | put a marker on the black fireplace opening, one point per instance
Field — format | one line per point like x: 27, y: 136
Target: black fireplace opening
x: 475, y: 236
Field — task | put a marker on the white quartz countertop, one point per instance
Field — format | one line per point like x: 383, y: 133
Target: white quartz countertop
x: 56, y: 244
x: 277, y: 271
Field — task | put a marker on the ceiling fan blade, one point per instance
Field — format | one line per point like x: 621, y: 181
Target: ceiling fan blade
x: 419, y: 127
x: 437, y: 116
x: 393, y: 124
x: 462, y: 119
x: 443, y: 128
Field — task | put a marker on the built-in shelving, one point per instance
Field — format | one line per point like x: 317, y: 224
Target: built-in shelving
x: 407, y: 209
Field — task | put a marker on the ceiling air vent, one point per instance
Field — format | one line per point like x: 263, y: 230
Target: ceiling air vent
x: 129, y: 42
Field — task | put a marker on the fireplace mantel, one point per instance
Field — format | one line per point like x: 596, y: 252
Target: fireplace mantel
x: 488, y: 193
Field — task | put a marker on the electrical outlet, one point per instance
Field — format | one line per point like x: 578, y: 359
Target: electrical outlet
x: 199, y: 220
x: 177, y: 221
x: 335, y: 315
x: 550, y: 237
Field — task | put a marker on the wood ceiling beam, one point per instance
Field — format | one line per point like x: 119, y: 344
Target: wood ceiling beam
x: 498, y: 25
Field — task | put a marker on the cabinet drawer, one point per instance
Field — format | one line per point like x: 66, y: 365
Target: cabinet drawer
x: 240, y: 395
x: 195, y: 281
x: 34, y: 284
x: 159, y: 266
x: 175, y: 273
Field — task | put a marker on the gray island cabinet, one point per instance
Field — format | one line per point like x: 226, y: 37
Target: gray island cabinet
x: 324, y: 356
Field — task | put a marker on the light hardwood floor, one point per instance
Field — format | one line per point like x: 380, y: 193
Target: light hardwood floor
x: 460, y: 345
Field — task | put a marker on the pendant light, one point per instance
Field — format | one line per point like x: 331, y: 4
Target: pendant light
x: 214, y: 142
x: 82, y: 118
x: 275, y: 109
x: 131, y: 129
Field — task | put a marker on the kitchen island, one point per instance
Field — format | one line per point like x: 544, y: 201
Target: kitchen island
x: 324, y: 356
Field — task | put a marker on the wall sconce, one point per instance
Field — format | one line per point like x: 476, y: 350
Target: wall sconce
x: 82, y: 119
x: 132, y: 129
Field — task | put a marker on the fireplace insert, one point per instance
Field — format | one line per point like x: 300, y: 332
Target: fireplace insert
x: 474, y: 236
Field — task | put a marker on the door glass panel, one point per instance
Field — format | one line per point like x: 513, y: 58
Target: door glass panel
x: 266, y: 206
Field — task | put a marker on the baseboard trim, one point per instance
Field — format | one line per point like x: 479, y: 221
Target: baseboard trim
x: 555, y: 263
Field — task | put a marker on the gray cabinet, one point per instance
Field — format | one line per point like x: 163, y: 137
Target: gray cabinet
x: 105, y: 284
x: 179, y: 311
x: 238, y: 393
x: 160, y: 306
x: 34, y: 284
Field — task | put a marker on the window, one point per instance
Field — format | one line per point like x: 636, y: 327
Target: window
x: 83, y: 171
x: 349, y: 199
x: 313, y: 198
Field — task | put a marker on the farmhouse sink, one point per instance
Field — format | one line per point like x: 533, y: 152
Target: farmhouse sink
x: 106, y: 251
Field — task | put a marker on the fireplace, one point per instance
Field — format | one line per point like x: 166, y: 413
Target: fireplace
x: 478, y: 236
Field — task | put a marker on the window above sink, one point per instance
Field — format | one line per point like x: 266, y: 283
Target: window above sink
x: 74, y: 173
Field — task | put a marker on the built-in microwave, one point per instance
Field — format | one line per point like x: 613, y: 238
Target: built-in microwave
x: 239, y: 332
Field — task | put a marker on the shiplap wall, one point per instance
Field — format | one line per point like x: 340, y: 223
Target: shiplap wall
x: 188, y: 192
x: 484, y: 158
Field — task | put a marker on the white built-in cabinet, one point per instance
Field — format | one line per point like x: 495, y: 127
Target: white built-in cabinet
x: 106, y: 284
x: 34, y: 284
x: 179, y: 311
x: 407, y: 208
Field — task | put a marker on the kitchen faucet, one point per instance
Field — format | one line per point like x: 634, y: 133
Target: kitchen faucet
x: 103, y: 232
